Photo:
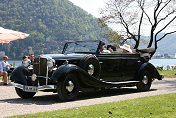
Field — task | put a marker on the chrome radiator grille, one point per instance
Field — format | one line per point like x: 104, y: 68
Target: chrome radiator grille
x: 40, y: 66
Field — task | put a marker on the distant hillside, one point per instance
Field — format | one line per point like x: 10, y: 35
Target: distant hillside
x: 49, y: 23
x: 167, y: 45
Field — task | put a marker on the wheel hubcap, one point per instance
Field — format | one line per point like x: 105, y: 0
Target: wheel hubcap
x: 145, y: 79
x: 91, y: 69
x: 70, y: 86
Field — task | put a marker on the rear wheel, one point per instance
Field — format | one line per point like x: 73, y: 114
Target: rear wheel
x: 68, y: 89
x: 146, y: 81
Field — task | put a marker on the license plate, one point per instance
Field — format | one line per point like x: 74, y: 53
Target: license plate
x: 30, y: 89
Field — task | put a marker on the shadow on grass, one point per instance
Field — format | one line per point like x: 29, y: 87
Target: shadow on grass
x: 53, y: 98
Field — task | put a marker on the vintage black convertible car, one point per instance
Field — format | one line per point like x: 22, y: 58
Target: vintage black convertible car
x: 82, y: 67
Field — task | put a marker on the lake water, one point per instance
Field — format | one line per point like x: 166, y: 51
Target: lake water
x: 163, y: 62
x: 15, y: 62
x: 155, y: 62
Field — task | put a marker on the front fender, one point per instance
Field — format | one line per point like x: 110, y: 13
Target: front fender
x: 59, y: 74
x: 151, y: 68
x: 84, y: 78
x: 19, y: 75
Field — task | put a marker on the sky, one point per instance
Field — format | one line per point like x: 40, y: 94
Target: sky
x: 91, y: 6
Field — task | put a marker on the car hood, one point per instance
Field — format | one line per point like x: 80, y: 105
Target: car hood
x: 63, y: 56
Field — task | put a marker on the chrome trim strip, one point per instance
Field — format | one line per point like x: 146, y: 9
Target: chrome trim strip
x: 40, y: 76
x: 39, y: 87
x: 47, y: 74
x: 124, y: 82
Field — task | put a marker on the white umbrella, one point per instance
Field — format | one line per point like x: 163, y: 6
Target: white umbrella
x: 7, y: 35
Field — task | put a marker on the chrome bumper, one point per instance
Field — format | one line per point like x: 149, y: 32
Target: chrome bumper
x: 39, y: 87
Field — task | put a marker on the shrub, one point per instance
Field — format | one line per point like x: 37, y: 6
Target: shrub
x: 160, y: 68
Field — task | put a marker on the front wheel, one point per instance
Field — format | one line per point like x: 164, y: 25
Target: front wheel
x: 23, y: 94
x: 68, y: 89
x: 146, y: 81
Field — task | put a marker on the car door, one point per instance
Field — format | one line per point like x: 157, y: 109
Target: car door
x: 110, y: 67
x: 128, y: 66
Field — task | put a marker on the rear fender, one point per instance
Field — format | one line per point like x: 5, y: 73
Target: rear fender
x: 19, y: 75
x: 151, y: 68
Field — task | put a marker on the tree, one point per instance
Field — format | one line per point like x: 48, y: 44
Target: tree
x: 136, y: 18
x: 114, y: 38
x: 49, y: 22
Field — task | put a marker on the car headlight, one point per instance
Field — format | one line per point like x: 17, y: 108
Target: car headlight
x: 50, y: 63
x: 34, y: 77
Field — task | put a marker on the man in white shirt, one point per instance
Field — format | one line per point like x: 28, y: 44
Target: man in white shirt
x: 4, y: 67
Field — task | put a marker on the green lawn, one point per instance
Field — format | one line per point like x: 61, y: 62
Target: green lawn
x: 168, y: 74
x: 162, y: 106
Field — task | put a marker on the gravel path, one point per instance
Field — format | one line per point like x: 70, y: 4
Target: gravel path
x: 11, y: 104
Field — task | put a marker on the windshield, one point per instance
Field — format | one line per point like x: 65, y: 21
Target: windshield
x: 81, y: 46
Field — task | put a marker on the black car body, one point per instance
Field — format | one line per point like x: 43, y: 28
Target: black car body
x: 82, y: 67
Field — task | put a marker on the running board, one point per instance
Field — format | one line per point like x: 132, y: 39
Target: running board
x: 124, y: 82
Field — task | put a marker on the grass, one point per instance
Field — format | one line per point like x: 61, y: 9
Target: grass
x: 161, y: 106
x: 168, y: 74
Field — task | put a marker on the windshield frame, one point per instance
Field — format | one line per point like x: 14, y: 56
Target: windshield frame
x: 67, y: 44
